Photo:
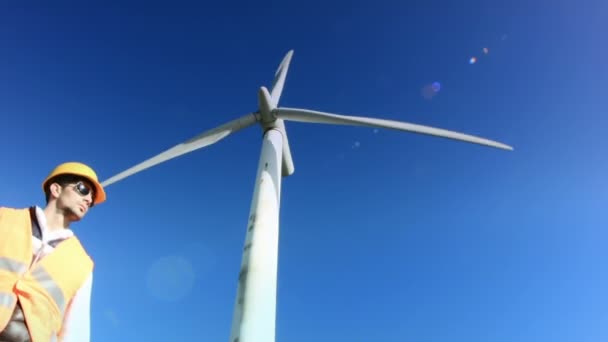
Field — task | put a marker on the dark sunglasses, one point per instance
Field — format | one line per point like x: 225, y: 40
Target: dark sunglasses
x: 83, y: 190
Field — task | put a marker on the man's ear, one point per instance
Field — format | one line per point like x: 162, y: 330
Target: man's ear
x: 55, y: 189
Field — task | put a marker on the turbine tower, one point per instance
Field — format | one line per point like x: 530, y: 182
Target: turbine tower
x: 255, y: 305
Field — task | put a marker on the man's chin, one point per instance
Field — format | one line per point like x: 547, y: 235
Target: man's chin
x: 75, y: 216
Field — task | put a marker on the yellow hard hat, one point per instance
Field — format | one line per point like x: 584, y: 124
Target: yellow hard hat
x: 82, y: 170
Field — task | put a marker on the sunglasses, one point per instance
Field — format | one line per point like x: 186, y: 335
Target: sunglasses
x: 82, y: 189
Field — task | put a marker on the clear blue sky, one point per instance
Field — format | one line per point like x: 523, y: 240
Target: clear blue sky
x: 384, y: 235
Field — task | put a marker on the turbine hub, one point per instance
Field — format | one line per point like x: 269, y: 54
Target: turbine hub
x: 265, y: 106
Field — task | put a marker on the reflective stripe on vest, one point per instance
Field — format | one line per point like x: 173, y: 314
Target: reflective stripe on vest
x: 12, y: 265
x: 7, y: 299
x: 39, y: 274
x: 46, y: 282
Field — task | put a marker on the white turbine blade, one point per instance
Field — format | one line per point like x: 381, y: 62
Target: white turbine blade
x: 304, y: 115
x: 204, y: 139
x: 279, y: 79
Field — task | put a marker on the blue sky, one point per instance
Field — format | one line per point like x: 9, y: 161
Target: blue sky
x: 384, y: 235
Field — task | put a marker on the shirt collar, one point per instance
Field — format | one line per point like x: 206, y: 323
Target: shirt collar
x: 48, y: 235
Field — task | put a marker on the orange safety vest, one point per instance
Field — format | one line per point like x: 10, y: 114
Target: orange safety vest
x: 43, y: 289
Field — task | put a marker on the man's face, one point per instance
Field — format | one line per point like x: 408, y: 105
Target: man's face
x: 76, y: 199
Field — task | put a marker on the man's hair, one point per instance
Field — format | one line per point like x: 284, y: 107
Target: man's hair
x: 64, y: 180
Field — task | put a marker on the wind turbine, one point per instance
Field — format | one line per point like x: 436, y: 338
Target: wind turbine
x: 255, y: 306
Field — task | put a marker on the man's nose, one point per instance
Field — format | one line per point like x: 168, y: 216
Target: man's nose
x: 88, y: 199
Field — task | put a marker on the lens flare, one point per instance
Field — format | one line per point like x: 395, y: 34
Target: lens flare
x: 436, y: 86
x: 170, y: 278
x: 473, y: 60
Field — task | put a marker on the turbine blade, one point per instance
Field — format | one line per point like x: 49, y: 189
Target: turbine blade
x: 279, y: 79
x: 304, y: 115
x: 204, y: 139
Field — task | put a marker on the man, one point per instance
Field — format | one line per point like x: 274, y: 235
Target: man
x: 45, y: 274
